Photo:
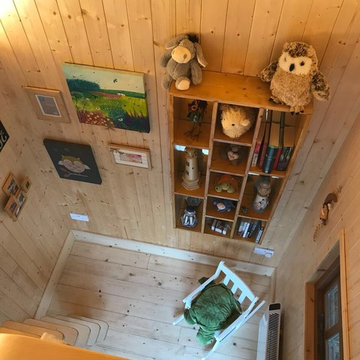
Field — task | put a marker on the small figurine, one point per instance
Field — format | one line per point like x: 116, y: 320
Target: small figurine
x: 224, y: 205
x: 263, y: 188
x: 196, y: 114
x: 191, y: 176
x: 189, y: 217
x: 226, y: 183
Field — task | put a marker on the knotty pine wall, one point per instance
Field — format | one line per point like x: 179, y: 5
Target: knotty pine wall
x: 304, y: 255
x: 37, y: 36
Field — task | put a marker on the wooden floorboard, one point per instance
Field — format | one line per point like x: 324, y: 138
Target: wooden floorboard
x: 139, y: 295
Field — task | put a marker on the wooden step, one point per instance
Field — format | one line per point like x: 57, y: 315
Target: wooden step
x: 83, y: 331
x: 104, y: 326
x: 16, y: 332
x: 94, y: 327
x: 37, y: 330
x: 70, y: 333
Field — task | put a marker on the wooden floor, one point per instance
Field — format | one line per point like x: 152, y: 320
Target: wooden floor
x: 139, y: 295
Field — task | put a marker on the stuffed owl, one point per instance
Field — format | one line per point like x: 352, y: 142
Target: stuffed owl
x: 294, y: 78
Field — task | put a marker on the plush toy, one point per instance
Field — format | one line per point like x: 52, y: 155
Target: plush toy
x: 224, y: 205
x: 226, y: 183
x: 295, y: 77
x: 183, y: 60
x: 236, y: 120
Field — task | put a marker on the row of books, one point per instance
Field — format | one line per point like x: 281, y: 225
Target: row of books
x: 275, y: 144
x: 251, y: 229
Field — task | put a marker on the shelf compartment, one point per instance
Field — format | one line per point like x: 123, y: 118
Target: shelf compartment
x: 182, y: 125
x: 249, y: 196
x: 208, y: 223
x: 180, y: 206
x: 213, y: 213
x: 244, y: 140
x: 180, y: 190
x: 254, y: 232
x: 214, y: 178
x: 220, y: 163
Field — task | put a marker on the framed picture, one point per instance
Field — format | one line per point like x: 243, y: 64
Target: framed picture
x: 12, y: 207
x: 4, y: 136
x: 73, y: 161
x: 112, y: 98
x: 132, y: 156
x: 48, y: 104
x: 11, y: 187
x: 26, y: 184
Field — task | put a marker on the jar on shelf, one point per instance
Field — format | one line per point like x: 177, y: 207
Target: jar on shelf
x: 263, y: 190
x: 189, y: 219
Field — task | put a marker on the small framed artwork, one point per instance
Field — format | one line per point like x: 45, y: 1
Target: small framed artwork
x: 48, y: 104
x: 12, y: 207
x: 132, y: 156
x: 26, y: 184
x: 73, y: 161
x: 11, y: 187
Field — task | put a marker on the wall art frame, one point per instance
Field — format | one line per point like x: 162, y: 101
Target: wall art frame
x: 131, y: 156
x: 48, y: 104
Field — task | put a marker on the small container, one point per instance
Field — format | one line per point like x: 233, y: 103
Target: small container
x: 188, y: 219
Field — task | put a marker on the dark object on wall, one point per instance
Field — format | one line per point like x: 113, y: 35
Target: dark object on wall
x: 4, y: 136
x: 73, y: 161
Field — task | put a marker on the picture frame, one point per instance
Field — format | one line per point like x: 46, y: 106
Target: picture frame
x: 12, y: 207
x: 4, y: 136
x: 131, y: 156
x: 73, y: 161
x: 11, y: 186
x: 48, y: 104
x: 25, y: 184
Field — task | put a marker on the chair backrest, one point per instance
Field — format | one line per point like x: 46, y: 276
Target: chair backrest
x: 240, y: 290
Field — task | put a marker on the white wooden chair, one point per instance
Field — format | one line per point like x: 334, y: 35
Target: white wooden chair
x: 241, y: 292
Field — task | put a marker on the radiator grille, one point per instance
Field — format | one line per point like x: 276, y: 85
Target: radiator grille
x: 273, y: 337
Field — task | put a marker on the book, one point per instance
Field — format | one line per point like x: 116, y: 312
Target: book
x: 259, y: 140
x: 260, y: 232
x: 288, y: 147
x: 246, y: 227
x: 241, y: 227
x: 272, y: 148
x: 281, y: 140
x: 265, y: 142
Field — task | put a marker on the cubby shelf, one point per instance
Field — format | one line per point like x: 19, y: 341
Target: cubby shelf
x: 213, y: 145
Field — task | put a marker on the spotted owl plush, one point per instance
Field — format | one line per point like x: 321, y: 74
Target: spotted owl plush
x: 294, y: 78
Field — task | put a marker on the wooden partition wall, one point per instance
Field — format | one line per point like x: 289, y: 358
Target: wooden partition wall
x: 37, y: 36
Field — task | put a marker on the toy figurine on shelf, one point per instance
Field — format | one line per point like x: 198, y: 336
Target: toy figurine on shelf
x: 196, y: 114
x: 188, y: 219
x: 263, y: 189
x: 231, y: 152
x: 224, y: 205
x: 191, y: 176
x: 226, y: 183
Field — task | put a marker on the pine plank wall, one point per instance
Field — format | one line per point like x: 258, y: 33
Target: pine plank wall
x: 37, y: 36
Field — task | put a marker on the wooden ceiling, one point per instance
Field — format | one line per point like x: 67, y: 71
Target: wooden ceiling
x: 37, y: 36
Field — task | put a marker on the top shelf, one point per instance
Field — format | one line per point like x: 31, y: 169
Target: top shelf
x: 233, y: 89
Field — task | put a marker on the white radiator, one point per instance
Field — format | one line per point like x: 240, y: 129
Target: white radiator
x: 269, y: 334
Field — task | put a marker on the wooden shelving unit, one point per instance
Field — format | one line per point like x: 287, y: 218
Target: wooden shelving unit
x: 217, y: 89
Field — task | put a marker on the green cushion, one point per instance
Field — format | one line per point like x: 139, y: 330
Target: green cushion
x: 214, y: 309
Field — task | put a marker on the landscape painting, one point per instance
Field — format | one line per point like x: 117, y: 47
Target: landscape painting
x: 111, y: 98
